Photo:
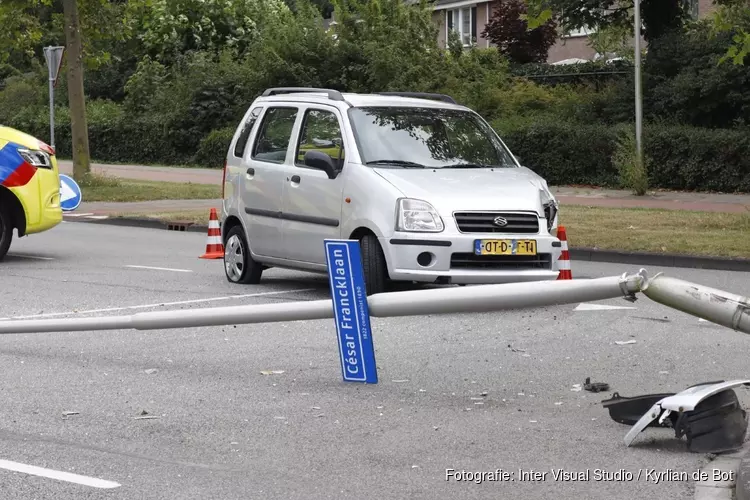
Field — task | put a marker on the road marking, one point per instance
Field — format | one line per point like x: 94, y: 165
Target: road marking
x: 599, y: 307
x: 76, y: 215
x: 59, y: 475
x: 162, y: 269
x: 162, y: 304
x: 35, y: 257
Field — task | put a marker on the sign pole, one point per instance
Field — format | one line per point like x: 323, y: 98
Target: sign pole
x: 53, y: 56
x: 52, y: 113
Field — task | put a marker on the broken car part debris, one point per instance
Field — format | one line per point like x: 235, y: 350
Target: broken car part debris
x: 709, y: 415
x: 595, y: 386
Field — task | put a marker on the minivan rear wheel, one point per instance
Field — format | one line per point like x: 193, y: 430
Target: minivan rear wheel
x: 6, y: 232
x: 239, y: 265
x: 374, y: 265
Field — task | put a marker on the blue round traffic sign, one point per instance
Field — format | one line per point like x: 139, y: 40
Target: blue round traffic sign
x: 70, y: 194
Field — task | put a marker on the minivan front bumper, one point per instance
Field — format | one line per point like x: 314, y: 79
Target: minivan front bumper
x: 452, y: 259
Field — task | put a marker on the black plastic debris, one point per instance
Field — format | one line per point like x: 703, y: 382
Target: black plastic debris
x: 595, y: 386
x: 628, y: 411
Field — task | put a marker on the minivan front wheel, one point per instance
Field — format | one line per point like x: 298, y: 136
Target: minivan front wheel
x: 374, y: 265
x: 239, y: 265
x: 6, y: 232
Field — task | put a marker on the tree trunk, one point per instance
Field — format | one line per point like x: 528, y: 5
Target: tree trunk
x: 76, y: 98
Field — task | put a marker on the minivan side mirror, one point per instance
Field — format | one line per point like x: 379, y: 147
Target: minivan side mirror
x: 321, y: 161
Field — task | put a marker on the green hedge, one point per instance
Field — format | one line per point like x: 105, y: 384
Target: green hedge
x: 592, y: 72
x: 213, y: 148
x: 682, y: 158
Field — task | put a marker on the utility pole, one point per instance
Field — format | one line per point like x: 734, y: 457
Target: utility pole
x: 76, y: 98
x: 638, y: 96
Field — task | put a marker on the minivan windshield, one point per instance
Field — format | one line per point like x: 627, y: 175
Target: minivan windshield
x: 411, y: 137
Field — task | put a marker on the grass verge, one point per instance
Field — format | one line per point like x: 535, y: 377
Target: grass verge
x: 628, y: 229
x: 659, y: 231
x: 102, y: 188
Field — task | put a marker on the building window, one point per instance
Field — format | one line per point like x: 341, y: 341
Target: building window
x: 585, y: 31
x: 463, y: 21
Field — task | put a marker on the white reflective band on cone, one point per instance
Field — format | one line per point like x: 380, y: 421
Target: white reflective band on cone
x: 563, y: 265
x: 213, y: 224
x: 482, y: 298
x: 564, y: 245
x: 213, y: 240
x: 723, y: 308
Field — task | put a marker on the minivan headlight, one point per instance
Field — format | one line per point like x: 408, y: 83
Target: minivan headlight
x: 35, y: 158
x: 417, y: 216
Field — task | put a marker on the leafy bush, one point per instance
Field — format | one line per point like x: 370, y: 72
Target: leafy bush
x: 213, y: 148
x: 633, y: 170
x: 684, y: 81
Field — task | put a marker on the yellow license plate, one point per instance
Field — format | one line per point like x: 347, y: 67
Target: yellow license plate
x: 505, y: 247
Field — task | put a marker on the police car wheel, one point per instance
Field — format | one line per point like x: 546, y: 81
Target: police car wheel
x: 6, y: 232
x: 239, y: 266
x: 374, y: 265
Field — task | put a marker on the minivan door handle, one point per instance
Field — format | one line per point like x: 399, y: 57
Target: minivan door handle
x: 295, y: 178
x: 250, y: 171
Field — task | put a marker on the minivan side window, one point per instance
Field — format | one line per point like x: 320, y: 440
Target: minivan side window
x: 274, y: 136
x: 239, y: 148
x: 320, y: 132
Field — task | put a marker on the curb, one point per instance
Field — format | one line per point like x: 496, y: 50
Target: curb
x: 580, y: 254
x: 145, y: 223
x: 721, y: 478
x: 657, y: 259
x: 742, y: 487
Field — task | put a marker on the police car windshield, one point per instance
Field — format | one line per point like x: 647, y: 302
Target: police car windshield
x: 410, y: 137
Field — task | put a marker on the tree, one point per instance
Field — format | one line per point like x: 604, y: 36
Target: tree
x: 36, y: 23
x: 76, y: 99
x: 659, y: 16
x: 508, y: 30
x: 170, y: 28
x: 733, y: 17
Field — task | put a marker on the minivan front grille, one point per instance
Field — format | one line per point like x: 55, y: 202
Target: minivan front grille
x: 484, y: 222
x: 501, y: 262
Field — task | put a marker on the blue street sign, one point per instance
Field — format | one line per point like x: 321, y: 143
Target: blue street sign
x: 351, y: 313
x: 70, y: 194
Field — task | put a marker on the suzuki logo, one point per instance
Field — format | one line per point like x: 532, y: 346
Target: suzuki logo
x: 500, y: 221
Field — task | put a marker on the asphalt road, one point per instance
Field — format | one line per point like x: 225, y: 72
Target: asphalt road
x: 223, y: 430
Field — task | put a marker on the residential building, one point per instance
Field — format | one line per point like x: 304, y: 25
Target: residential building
x: 469, y: 17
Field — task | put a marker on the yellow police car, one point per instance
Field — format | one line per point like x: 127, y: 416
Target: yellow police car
x: 29, y: 186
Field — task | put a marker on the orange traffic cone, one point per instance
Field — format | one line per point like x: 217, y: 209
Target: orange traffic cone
x: 214, y: 246
x: 564, y: 261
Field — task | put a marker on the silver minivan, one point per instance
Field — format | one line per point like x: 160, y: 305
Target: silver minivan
x: 426, y: 185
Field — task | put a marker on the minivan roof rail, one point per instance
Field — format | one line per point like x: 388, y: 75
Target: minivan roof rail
x: 334, y: 95
x: 422, y: 95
